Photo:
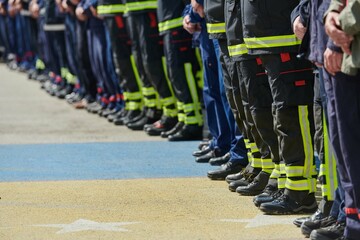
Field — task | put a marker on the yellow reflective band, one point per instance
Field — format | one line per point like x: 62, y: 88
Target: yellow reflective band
x: 138, y: 6
x: 193, y: 91
x: 110, y: 9
x: 148, y: 91
x: 275, y: 173
x: 254, y: 150
x: 168, y: 101
x: 163, y: 59
x: 281, y: 182
x: 133, y: 95
x: 282, y: 169
x: 63, y: 72
x: 307, y: 141
x: 237, y: 50
x: 215, y: 27
x: 39, y: 64
x: 150, y: 102
x: 294, y: 171
x: 181, y: 117
x: 170, y: 24
x: 267, y: 163
x: 249, y: 144
x: 301, y: 185
x: 274, y: 41
x: 329, y: 167
x: 191, y: 120
x: 70, y: 78
x: 180, y: 105
x: 267, y: 170
x: 250, y: 157
x: 134, y: 105
x: 135, y: 70
x: 256, y: 163
x: 170, y: 112
x: 200, y: 73
x: 189, y: 108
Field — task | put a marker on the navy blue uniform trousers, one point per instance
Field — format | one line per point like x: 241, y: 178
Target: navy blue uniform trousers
x: 343, y: 92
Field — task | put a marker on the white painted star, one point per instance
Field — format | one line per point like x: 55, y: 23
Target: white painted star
x: 262, y: 220
x: 86, y: 225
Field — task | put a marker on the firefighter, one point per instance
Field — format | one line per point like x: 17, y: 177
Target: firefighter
x: 101, y: 59
x: 251, y: 86
x: 182, y: 68
x: 232, y: 139
x: 112, y: 13
x: 147, y: 50
x: 268, y: 36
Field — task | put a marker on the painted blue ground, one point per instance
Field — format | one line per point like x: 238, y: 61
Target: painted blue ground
x: 87, y: 161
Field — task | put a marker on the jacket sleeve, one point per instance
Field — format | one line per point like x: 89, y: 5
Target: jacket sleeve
x: 350, y: 18
x: 302, y: 10
x: 335, y: 6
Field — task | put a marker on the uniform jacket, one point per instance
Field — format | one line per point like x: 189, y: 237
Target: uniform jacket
x: 169, y: 13
x: 234, y: 34
x: 314, y: 42
x: 108, y: 8
x: 139, y: 6
x: 214, y: 16
x: 52, y: 14
x: 350, y: 23
x: 267, y: 26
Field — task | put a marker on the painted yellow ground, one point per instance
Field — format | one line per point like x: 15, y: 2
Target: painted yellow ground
x: 193, y: 208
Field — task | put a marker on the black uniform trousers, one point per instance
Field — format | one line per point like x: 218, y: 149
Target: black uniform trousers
x: 121, y: 45
x: 148, y: 51
x: 291, y: 82
x: 85, y: 75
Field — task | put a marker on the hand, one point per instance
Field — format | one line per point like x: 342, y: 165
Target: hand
x: 80, y: 14
x: 333, y: 30
x: 190, y: 27
x: 346, y: 48
x: 34, y: 9
x: 299, y: 28
x: 59, y: 5
x: 332, y: 61
x: 2, y: 9
x: 94, y: 12
x: 65, y: 6
x: 75, y: 2
x: 198, y: 8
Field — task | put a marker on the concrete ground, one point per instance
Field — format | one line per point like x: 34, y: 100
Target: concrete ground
x: 68, y: 174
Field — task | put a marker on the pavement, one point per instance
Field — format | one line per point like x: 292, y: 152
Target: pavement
x: 68, y: 174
